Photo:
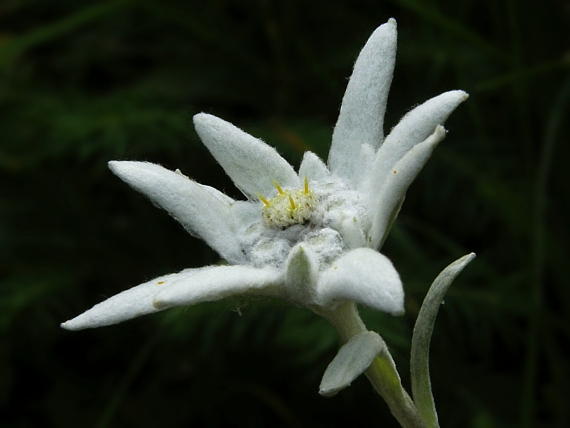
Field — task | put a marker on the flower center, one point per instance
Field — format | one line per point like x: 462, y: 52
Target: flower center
x: 288, y: 207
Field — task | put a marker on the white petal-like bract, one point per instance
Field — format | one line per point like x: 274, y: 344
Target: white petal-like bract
x: 301, y: 274
x: 312, y: 167
x: 308, y: 237
x: 361, y: 117
x: 131, y: 303
x: 216, y: 282
x: 250, y: 163
x: 202, y: 210
x: 364, y: 276
x: 397, y: 182
x: 412, y: 129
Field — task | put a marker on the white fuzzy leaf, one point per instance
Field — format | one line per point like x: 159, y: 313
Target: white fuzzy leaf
x: 202, y: 210
x: 131, y: 303
x: 312, y: 167
x: 248, y: 161
x: 412, y: 129
x: 361, y: 117
x: 364, y: 276
x: 217, y: 282
x: 393, y: 189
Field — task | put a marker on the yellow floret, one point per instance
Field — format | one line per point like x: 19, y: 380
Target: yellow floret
x: 288, y: 207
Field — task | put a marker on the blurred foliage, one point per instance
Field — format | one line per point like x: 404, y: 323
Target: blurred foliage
x: 85, y: 82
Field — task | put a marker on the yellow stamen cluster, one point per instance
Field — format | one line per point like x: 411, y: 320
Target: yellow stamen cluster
x: 288, y: 207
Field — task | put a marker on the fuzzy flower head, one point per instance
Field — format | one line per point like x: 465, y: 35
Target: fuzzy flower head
x: 309, y: 236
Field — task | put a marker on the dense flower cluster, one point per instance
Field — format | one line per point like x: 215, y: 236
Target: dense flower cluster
x: 309, y: 236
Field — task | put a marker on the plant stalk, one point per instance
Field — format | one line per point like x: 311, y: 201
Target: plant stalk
x: 382, y: 373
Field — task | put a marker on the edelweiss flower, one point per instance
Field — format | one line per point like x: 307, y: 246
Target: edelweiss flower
x: 308, y: 237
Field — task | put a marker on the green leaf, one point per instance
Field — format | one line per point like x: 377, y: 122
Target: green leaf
x: 351, y: 361
x: 419, y: 363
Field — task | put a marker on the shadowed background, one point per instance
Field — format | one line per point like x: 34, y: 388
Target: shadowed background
x: 86, y: 82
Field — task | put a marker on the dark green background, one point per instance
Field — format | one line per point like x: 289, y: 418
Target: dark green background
x: 84, y: 82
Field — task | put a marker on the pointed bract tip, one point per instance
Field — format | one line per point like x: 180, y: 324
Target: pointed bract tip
x: 69, y: 325
x: 469, y: 257
x: 397, y: 309
x: 298, y: 250
x: 117, y: 167
x: 458, y: 95
x: 387, y: 30
x: 384, y: 35
x: 208, y: 125
x: 199, y: 116
x: 203, y: 118
x: 113, y: 165
x: 439, y: 133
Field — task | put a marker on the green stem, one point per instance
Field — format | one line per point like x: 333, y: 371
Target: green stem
x: 382, y: 373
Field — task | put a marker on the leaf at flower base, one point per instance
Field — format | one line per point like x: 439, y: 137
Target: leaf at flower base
x: 361, y: 117
x: 350, y: 362
x: 132, y: 303
x: 202, y: 210
x: 249, y: 162
x: 394, y: 187
x: 364, y: 276
x: 217, y: 282
x: 419, y: 363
